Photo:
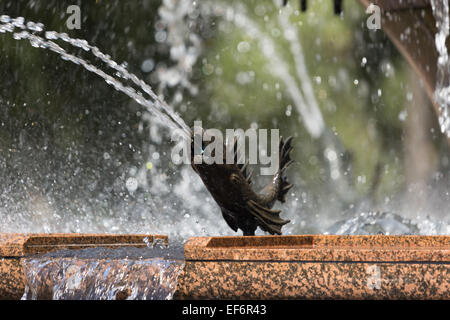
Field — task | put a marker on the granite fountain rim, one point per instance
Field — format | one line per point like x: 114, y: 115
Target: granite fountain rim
x: 343, y: 248
x: 18, y: 245
x: 318, y: 247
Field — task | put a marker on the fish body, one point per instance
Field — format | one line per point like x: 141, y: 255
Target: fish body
x: 243, y: 208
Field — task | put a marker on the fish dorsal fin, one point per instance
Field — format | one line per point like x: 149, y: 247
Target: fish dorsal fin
x: 263, y: 224
x: 267, y: 226
x: 285, y: 162
x: 268, y: 215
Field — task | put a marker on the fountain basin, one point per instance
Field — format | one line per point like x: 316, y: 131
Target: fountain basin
x: 14, y: 248
x: 74, y: 266
x: 317, y: 267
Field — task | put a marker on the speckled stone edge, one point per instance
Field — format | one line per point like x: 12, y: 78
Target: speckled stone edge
x: 316, y: 267
x: 19, y: 245
x: 320, y: 248
x: 216, y: 268
x: 12, y: 279
x: 312, y: 280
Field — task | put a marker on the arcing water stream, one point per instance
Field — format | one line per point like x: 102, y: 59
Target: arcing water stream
x: 29, y: 30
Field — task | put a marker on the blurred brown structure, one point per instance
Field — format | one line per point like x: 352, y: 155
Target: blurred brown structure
x: 411, y: 26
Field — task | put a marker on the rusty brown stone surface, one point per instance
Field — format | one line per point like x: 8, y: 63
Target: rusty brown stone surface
x: 312, y: 280
x: 316, y: 267
x: 321, y: 248
x: 18, y: 245
x: 14, y: 246
x: 12, y: 282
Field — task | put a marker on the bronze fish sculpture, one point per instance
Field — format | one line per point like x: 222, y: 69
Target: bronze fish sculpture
x: 242, y: 208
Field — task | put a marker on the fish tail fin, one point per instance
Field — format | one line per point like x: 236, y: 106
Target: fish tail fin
x: 285, y: 162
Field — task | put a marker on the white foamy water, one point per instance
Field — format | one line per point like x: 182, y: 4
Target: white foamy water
x: 102, y: 274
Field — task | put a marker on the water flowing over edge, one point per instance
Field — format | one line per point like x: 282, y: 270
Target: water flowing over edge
x: 104, y: 274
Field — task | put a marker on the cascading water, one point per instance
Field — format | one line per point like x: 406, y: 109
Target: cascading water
x: 104, y: 274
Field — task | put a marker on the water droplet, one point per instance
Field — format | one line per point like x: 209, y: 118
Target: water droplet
x: 155, y: 155
x: 402, y: 115
x: 147, y: 65
x: 131, y: 184
x: 363, y: 62
x: 243, y: 47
